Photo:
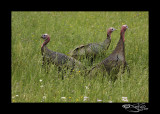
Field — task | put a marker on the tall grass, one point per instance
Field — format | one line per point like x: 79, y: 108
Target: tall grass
x: 68, y: 30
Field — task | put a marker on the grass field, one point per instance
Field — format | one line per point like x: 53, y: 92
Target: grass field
x: 68, y: 30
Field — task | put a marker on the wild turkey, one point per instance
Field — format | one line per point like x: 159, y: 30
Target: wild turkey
x: 58, y: 59
x: 90, y: 51
x: 116, y: 59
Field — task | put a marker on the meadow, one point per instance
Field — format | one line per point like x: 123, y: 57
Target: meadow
x: 29, y: 81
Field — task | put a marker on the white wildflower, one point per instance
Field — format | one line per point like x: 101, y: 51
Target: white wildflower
x: 85, y: 98
x: 124, y: 99
x: 86, y: 87
x: 44, y: 97
x: 110, y: 101
x: 40, y: 80
x: 41, y: 86
x: 98, y: 100
x: 17, y: 95
x: 63, y: 98
x: 13, y: 97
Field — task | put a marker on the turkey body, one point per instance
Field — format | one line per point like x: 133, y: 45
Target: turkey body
x: 60, y: 60
x: 92, y: 50
x: 115, y: 60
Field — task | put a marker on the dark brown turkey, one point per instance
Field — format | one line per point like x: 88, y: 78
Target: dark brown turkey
x: 115, y: 60
x: 90, y: 51
x: 58, y: 59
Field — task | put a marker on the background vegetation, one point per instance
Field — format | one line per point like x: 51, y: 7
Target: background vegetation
x: 68, y: 30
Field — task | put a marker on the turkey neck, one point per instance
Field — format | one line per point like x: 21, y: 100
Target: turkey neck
x: 107, y: 41
x: 120, y: 48
x: 122, y: 34
x: 44, y: 44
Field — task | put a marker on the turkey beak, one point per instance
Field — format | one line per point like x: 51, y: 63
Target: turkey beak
x: 113, y: 29
x: 127, y: 27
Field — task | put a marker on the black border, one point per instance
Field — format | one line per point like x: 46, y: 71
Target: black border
x: 107, y: 107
